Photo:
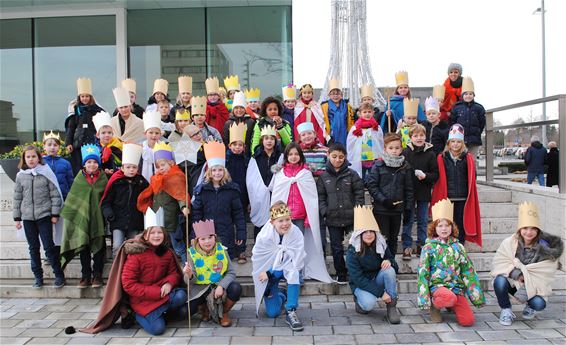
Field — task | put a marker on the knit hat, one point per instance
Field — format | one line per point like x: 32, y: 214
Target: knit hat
x: 456, y: 132
x: 90, y: 151
x: 455, y: 65
x: 305, y: 126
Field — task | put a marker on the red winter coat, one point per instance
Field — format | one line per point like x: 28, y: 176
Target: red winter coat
x: 451, y: 96
x: 216, y: 115
x: 144, y: 274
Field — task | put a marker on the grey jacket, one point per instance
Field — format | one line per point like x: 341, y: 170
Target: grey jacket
x: 35, y: 197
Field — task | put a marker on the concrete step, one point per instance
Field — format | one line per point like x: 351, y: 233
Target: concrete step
x: 489, y: 194
x: 496, y: 210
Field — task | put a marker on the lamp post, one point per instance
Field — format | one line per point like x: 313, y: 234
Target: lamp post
x: 542, y: 11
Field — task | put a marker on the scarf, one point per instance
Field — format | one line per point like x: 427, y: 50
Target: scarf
x: 107, y: 150
x: 456, y: 83
x: 392, y: 161
x: 337, y: 115
x: 363, y: 124
x: 172, y: 183
x: 118, y: 175
x: 311, y: 146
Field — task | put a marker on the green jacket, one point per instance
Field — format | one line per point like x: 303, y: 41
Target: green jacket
x: 284, y: 131
x: 171, y: 209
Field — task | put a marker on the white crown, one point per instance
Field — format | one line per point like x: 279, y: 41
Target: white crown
x: 151, y: 119
x: 239, y: 99
x: 129, y: 84
x: 431, y: 103
x: 101, y: 119
x: 121, y: 96
x: 152, y: 219
x: 131, y: 153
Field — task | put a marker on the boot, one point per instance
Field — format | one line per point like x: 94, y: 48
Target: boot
x: 225, y: 321
x: 435, y: 316
x: 204, y: 312
x: 392, y: 313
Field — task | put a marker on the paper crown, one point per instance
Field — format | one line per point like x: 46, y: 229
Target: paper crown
x: 215, y: 153
x: 252, y: 95
x: 84, y: 86
x: 289, y: 92
x: 239, y: 100
x: 131, y: 153
x: 152, y: 219
x: 467, y: 85
x: 162, y: 150
x: 185, y: 84
x: 367, y: 91
x: 121, y: 96
x: 101, y: 119
x: 151, y: 119
x: 51, y: 135
x: 306, y: 87
x: 90, y: 151
x: 364, y: 219
x: 198, y: 105
x: 438, y: 92
x: 431, y: 103
x: 204, y: 228
x: 160, y: 85
x: 443, y: 209
x: 278, y: 211
x: 268, y: 130
x: 456, y: 132
x: 129, y: 84
x: 238, y: 132
x: 232, y: 83
x: 402, y: 78
x: 212, y: 85
x: 183, y: 114
x: 305, y: 126
x: 528, y: 215
x: 411, y: 106
x: 334, y: 83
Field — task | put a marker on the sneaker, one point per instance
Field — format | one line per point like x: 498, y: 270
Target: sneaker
x: 407, y: 253
x: 506, y: 317
x: 38, y: 284
x: 59, y: 282
x: 529, y: 313
x: 293, y: 320
x: 84, y: 283
x: 97, y: 282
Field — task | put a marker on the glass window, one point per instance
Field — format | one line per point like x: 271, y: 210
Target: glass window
x: 165, y: 44
x: 252, y: 42
x: 67, y: 48
x: 16, y: 83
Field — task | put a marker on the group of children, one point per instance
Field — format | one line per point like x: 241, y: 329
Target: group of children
x: 267, y: 162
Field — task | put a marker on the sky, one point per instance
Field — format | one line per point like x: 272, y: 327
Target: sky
x: 497, y: 42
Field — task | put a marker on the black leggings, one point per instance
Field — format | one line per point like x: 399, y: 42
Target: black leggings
x: 389, y: 225
x: 233, y: 292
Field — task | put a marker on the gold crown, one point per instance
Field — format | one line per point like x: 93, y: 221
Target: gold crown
x: 443, y: 209
x: 367, y: 91
x: 334, y: 83
x: 160, y: 85
x: 84, y: 86
x: 279, y: 210
x: 198, y: 105
x: 467, y: 85
x: 185, y: 84
x: 211, y: 85
x: 162, y: 146
x: 129, y: 84
x: 51, y: 135
x: 411, y: 106
x: 238, y: 132
x: 364, y: 219
x: 232, y: 83
x: 252, y: 94
x: 528, y: 215
x: 402, y: 78
x: 289, y: 92
x: 182, y: 115
x: 438, y: 92
x: 306, y: 87
x: 268, y: 130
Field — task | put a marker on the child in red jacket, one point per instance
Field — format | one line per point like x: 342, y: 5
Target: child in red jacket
x: 216, y: 112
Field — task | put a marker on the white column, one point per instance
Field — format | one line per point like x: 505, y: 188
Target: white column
x: 121, y: 45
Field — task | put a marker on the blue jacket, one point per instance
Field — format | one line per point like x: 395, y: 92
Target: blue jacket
x: 289, y: 115
x: 534, y: 158
x: 398, y: 110
x: 62, y: 169
x: 364, y: 268
x: 472, y: 117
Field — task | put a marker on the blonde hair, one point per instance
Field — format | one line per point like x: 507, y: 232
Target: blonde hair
x: 416, y: 128
x: 463, y: 149
x: 208, y: 176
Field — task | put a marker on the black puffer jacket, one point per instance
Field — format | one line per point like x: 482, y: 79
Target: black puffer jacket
x: 437, y: 135
x: 388, y: 185
x: 422, y: 158
x: 456, y: 176
x: 472, y: 117
x: 265, y: 162
x: 338, y: 193
x: 79, y: 126
x: 119, y: 205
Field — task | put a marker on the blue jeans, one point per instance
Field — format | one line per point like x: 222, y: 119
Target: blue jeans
x: 386, y: 281
x: 503, y: 288
x: 154, y: 322
x: 422, y: 222
x: 34, y: 230
x: 179, y: 248
x: 274, y: 298
x: 539, y: 176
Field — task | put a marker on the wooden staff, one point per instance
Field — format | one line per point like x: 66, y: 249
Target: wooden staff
x: 388, y: 92
x: 187, y: 242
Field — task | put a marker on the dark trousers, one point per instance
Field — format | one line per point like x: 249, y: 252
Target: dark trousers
x: 459, y: 219
x: 336, y: 245
x: 389, y: 225
x: 233, y: 293
x: 98, y: 262
x: 34, y: 231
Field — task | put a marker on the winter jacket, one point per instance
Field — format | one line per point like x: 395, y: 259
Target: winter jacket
x: 347, y: 120
x: 471, y: 116
x: 452, y: 94
x: 63, y: 171
x: 422, y: 158
x: 398, y: 111
x: 446, y: 264
x: 79, y: 126
x: 216, y: 115
x: 35, y: 197
x: 364, y: 268
x: 548, y: 247
x: 237, y: 166
x: 223, y: 205
x: 250, y: 124
x: 315, y: 157
x: 295, y: 201
x: 535, y: 157
x: 284, y: 132
x: 388, y: 184
x: 437, y: 135
x: 171, y: 209
x: 552, y: 160
x: 210, y: 133
x: 265, y: 162
x: 119, y: 206
x: 145, y: 271
x: 289, y: 116
x: 456, y: 176
x: 338, y: 193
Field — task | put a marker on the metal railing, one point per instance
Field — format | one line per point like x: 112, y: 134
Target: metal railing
x: 490, y: 133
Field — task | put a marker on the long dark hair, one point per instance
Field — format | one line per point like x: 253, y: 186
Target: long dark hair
x: 290, y: 146
x: 268, y: 101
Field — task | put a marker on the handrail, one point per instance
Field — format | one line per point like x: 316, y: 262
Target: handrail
x: 490, y: 131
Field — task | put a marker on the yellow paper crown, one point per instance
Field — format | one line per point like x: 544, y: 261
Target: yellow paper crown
x: 238, y: 132
x: 444, y: 209
x: 232, y: 83
x: 289, y: 92
x: 367, y: 91
x: 402, y: 78
x: 278, y: 211
x: 182, y: 115
x: 411, y: 106
x: 160, y: 85
x: 334, y: 83
x: 129, y: 84
x: 268, y: 130
x: 162, y: 146
x: 198, y: 105
x: 467, y: 85
x: 364, y: 219
x: 84, y: 86
x: 528, y: 215
x: 212, y: 85
x: 438, y: 92
x: 51, y: 135
x: 215, y: 153
x: 185, y: 84
x: 252, y: 94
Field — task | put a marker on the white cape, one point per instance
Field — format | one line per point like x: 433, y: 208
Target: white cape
x: 268, y: 254
x: 315, y: 266
x: 315, y: 109
x: 147, y: 169
x: 354, y: 147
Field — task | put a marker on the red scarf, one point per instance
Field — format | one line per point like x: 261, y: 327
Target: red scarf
x: 115, y: 177
x: 172, y: 183
x: 310, y: 146
x: 363, y: 124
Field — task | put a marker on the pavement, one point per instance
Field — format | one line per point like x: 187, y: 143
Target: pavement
x: 328, y: 319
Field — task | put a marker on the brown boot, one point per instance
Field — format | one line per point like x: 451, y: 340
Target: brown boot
x: 226, y: 322
x: 435, y: 316
x: 204, y: 312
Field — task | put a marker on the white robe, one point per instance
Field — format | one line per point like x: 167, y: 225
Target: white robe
x: 316, y: 111
x: 147, y: 169
x: 259, y: 195
x: 354, y: 147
